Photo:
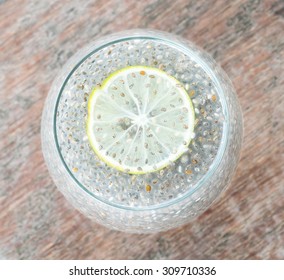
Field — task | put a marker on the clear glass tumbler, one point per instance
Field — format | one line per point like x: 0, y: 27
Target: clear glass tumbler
x: 154, y: 201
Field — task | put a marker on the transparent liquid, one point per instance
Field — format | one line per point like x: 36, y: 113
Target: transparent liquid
x: 147, y: 189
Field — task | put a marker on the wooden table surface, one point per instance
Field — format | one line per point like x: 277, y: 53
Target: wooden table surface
x: 36, y: 39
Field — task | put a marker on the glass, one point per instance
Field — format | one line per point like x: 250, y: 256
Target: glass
x: 159, y: 200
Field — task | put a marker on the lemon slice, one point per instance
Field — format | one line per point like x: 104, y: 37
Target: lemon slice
x: 140, y: 120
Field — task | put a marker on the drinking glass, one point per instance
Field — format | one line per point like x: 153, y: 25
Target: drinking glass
x: 160, y: 200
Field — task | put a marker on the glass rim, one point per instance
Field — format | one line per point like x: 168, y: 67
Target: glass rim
x: 181, y: 48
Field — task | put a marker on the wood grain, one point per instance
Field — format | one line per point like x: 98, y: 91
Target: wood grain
x: 245, y: 37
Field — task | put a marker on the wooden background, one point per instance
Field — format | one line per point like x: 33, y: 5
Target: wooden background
x: 36, y: 39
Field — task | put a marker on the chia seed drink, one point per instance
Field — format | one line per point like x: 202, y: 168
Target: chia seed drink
x: 187, y: 184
